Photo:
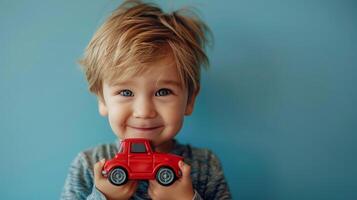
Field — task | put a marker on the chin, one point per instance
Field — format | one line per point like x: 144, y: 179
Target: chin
x: 151, y: 137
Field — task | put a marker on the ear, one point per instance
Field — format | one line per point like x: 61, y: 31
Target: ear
x: 102, y: 107
x: 191, y: 102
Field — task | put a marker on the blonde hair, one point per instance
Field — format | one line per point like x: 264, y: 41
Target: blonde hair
x: 137, y: 33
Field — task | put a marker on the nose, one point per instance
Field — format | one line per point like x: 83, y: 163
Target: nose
x: 144, y: 108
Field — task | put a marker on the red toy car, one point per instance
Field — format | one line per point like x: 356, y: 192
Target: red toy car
x: 137, y: 161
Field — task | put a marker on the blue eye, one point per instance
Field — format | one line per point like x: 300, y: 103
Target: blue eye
x: 163, y: 92
x: 126, y: 93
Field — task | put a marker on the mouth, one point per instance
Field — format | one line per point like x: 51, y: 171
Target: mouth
x: 145, y: 128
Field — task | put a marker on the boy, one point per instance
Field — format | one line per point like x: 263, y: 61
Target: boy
x: 144, y: 67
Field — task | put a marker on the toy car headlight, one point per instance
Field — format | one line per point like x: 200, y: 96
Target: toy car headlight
x: 104, y: 173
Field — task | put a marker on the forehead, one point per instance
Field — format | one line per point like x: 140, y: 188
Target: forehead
x: 160, y: 71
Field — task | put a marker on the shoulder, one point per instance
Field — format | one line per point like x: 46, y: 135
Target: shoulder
x: 203, y: 161
x: 205, y: 165
x: 194, y: 154
x: 206, y: 172
x: 90, y: 156
x: 79, y: 181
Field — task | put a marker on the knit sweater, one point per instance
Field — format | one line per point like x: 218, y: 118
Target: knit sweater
x: 206, y: 173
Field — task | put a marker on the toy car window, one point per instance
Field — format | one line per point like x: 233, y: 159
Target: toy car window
x: 138, y: 148
x: 120, y: 148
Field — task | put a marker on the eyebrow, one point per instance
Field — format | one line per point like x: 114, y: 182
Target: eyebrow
x: 118, y: 83
x: 159, y: 82
x: 169, y: 82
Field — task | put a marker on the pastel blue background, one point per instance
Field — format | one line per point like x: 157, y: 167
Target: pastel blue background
x: 278, y: 105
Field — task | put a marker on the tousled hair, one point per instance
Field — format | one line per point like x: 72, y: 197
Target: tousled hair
x: 137, y: 33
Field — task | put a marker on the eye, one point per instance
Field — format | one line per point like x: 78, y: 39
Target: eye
x: 126, y: 93
x: 163, y: 92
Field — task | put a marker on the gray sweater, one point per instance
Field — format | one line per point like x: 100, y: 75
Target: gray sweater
x: 206, y: 174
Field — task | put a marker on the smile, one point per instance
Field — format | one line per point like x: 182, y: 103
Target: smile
x: 145, y: 129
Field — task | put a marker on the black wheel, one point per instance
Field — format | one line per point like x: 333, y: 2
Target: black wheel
x: 118, y: 176
x: 165, y: 176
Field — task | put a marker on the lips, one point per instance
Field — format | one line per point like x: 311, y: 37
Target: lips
x: 145, y: 128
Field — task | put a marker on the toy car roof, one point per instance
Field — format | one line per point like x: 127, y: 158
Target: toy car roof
x: 135, y: 140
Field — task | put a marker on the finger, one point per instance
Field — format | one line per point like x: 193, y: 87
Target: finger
x: 128, y: 188
x: 185, y: 169
x: 150, y: 193
x: 133, y: 185
x: 152, y: 183
x: 151, y: 189
x: 98, y: 169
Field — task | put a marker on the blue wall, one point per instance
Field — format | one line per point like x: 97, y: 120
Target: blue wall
x: 278, y: 105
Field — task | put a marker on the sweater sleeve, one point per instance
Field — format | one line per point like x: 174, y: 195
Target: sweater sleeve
x: 79, y: 182
x: 217, y: 187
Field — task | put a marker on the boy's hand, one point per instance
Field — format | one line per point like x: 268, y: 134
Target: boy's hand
x: 181, y: 189
x: 110, y: 191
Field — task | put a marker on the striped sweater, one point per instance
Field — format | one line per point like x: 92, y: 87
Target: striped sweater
x: 206, y: 173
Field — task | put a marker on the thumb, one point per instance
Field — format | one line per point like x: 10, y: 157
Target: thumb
x: 98, y: 169
x: 186, y: 170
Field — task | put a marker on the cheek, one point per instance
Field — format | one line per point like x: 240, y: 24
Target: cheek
x: 173, y: 115
x: 117, y: 118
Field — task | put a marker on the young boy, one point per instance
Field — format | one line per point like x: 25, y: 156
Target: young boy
x: 144, y: 67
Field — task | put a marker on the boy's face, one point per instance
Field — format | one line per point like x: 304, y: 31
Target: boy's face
x: 151, y: 105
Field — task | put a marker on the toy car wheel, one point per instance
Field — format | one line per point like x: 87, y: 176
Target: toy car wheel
x: 165, y: 176
x: 118, y: 176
